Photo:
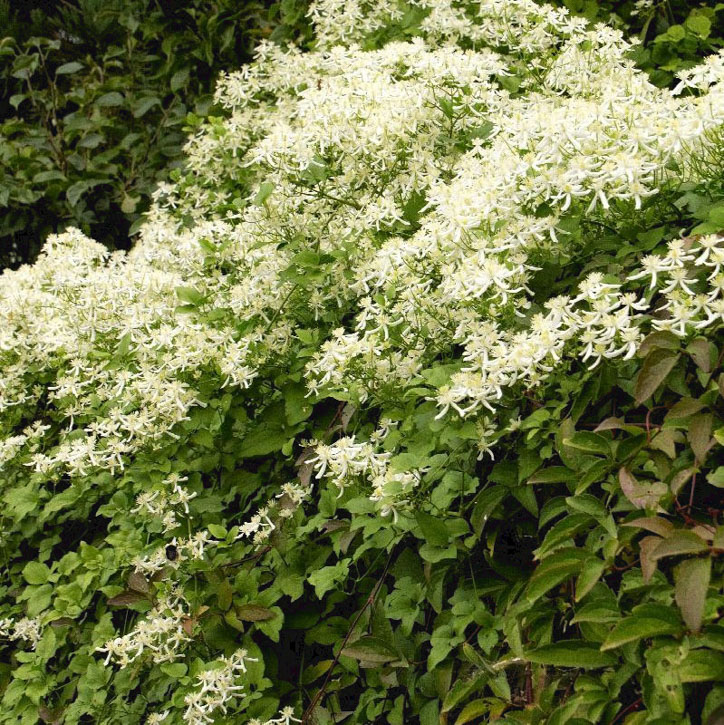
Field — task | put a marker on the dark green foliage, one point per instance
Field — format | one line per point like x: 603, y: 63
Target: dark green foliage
x: 94, y: 96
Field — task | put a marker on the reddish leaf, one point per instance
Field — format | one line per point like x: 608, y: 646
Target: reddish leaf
x: 254, y: 613
x: 680, y: 542
x: 654, y: 524
x: 648, y: 564
x: 653, y: 373
x: 641, y: 495
x: 691, y: 579
x: 700, y: 435
x: 127, y: 598
x: 138, y: 583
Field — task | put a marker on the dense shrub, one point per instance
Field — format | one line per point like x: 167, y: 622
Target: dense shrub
x: 94, y: 98
x: 95, y: 95
x: 405, y: 407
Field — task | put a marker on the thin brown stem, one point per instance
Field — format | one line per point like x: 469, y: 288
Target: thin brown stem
x: 306, y: 717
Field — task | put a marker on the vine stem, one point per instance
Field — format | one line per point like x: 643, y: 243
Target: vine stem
x: 633, y: 706
x: 306, y: 717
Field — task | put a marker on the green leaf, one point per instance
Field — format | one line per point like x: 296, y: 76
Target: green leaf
x: 656, y: 367
x: 589, y: 442
x: 647, y: 546
x: 190, y: 296
x: 485, y: 505
x: 75, y: 191
x: 108, y: 100
x: 254, y: 613
x: 591, y: 573
x: 638, y: 627
x: 691, y: 579
x: 680, y: 542
x: 264, y: 192
x: 562, y: 532
x: 36, y: 573
x: 597, y: 612
x: 572, y: 653
x: 327, y: 577
x: 73, y: 67
x: 663, y: 340
x: 703, y: 353
x: 175, y: 670
x: 179, y: 79
x: 371, y: 650
x: 472, y: 711
x: 43, y: 177
x: 265, y: 438
x: 433, y: 529
x: 140, y: 107
x: 699, y: 24
x: 702, y: 665
x: 699, y: 435
x: 21, y: 500
x: 217, y: 531
x: 554, y: 474
x: 553, y: 570
x: 716, y: 478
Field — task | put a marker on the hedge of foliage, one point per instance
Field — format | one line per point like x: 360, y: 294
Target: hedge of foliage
x: 94, y: 99
x: 406, y: 407
x: 95, y: 95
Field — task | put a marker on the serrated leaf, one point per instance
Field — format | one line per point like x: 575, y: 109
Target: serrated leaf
x: 572, y: 653
x: 653, y: 372
x: 691, y: 583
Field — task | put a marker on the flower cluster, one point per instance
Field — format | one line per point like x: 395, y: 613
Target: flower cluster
x: 160, y: 635
x: 26, y: 629
x: 352, y: 221
x: 218, y: 685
